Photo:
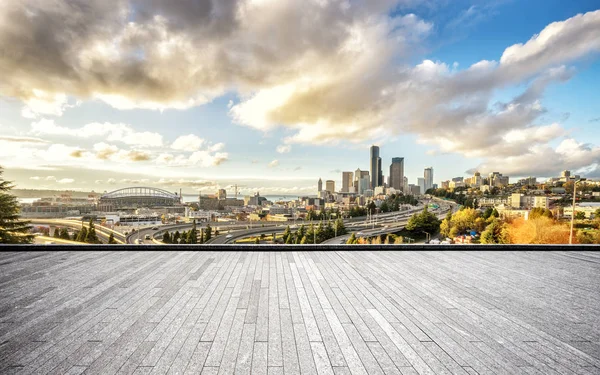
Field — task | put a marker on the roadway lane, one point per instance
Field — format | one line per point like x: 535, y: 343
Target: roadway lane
x: 102, y: 232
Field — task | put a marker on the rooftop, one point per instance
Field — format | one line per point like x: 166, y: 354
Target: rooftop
x: 325, y: 312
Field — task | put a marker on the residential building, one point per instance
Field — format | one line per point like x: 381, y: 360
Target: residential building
x: 414, y: 189
x: 454, y: 184
x: 397, y: 174
x: 446, y: 184
x: 221, y: 194
x: 539, y: 201
x: 347, y: 184
x: 588, y: 208
x: 379, y: 190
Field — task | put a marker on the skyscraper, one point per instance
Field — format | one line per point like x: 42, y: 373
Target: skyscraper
x: 330, y: 186
x: 421, y: 185
x: 375, y: 166
x: 320, y: 186
x: 428, y: 175
x: 358, y: 181
x: 379, y: 173
x: 397, y: 174
x: 347, y: 182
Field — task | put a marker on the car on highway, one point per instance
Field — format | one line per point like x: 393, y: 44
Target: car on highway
x: 138, y: 241
x: 147, y: 237
x: 229, y: 236
x: 154, y: 228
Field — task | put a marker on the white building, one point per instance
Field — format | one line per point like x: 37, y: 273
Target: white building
x: 586, y: 207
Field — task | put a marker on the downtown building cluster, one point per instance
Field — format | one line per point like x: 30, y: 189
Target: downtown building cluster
x: 372, y: 182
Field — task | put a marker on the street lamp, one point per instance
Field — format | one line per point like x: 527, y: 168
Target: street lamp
x: 573, y: 212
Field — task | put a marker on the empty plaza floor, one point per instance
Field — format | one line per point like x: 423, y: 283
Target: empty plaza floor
x: 324, y: 312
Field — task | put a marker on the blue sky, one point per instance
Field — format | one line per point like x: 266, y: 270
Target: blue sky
x: 276, y: 110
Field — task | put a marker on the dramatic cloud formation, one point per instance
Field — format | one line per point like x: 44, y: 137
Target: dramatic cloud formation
x: 333, y: 71
x: 113, y: 132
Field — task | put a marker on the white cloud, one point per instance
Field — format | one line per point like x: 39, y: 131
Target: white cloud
x: 273, y: 164
x: 44, y: 103
x: 113, y: 132
x: 282, y: 149
x: 188, y: 142
x: 65, y: 181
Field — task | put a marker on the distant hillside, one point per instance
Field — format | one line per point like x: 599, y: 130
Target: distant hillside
x: 42, y: 193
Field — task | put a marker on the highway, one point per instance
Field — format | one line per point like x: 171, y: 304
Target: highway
x: 102, y: 232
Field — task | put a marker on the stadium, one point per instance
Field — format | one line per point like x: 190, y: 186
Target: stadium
x: 137, y: 197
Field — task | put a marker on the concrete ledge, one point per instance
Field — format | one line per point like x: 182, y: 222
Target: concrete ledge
x: 324, y: 247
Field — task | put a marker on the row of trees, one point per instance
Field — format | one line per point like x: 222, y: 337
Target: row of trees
x: 84, y: 235
x: 456, y: 196
x: 311, y: 234
x: 418, y: 224
x: 192, y: 236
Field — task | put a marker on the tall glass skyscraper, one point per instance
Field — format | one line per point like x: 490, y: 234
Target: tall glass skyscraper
x: 428, y: 175
x: 397, y: 174
x: 375, y: 164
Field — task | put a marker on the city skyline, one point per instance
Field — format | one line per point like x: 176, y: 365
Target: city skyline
x: 200, y: 111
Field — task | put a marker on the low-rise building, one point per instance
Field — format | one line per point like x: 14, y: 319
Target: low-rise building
x: 588, y: 208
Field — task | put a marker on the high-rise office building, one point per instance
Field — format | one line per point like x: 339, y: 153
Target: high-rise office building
x: 358, y: 176
x: 330, y: 186
x: 397, y: 174
x: 374, y: 164
x: 379, y: 173
x: 320, y: 186
x: 347, y: 184
x: 421, y: 185
x: 428, y: 175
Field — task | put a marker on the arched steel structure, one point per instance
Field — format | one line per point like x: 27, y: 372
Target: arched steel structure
x: 140, y: 191
x: 136, y: 197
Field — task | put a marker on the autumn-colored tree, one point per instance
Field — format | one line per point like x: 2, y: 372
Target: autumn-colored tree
x: 540, y: 230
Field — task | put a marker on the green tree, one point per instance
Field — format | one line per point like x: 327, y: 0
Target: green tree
x: 340, y: 228
x: 423, y: 222
x: 166, y: 237
x: 351, y: 239
x: 384, y: 207
x: 91, y: 236
x: 176, y: 237
x: 495, y: 233
x: 303, y: 241
x: 12, y: 228
x: 111, y: 239
x: 64, y: 234
x: 256, y: 241
x: 580, y: 215
x: 286, y: 234
x: 597, y: 213
x: 208, y: 233
x: 288, y: 240
x: 56, y: 233
x: 82, y: 235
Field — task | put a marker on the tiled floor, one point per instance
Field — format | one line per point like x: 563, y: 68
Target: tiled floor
x: 300, y: 312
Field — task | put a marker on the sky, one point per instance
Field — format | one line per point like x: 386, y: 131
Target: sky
x: 272, y: 95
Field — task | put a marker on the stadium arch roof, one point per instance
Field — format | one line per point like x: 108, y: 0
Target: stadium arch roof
x: 140, y: 191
